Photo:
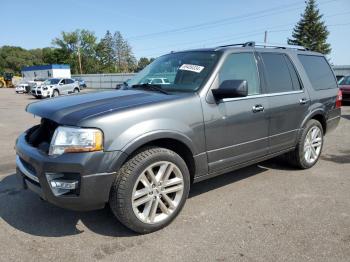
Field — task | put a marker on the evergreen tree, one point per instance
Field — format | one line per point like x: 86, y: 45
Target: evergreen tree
x: 310, y: 31
x: 105, y: 52
x: 124, y: 57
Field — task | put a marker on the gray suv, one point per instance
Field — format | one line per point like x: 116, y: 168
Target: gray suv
x: 140, y: 148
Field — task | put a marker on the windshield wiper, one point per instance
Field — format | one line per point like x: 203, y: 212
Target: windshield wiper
x: 151, y: 87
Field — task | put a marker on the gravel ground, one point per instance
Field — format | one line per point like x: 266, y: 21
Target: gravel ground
x: 266, y: 212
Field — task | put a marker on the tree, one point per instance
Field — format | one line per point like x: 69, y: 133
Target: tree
x: 142, y: 63
x: 311, y: 32
x: 105, y: 53
x: 13, y: 58
x: 124, y: 57
x: 80, y: 46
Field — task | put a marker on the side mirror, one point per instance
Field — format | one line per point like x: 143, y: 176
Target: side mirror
x: 231, y: 89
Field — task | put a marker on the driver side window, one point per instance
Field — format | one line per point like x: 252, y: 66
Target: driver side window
x: 241, y: 66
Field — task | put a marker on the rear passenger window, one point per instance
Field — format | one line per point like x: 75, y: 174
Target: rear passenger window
x: 241, y: 66
x: 278, y: 75
x: 318, y: 71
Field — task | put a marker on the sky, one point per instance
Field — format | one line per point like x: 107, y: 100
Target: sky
x: 157, y: 27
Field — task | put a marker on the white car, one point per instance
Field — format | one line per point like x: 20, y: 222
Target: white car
x: 55, y: 87
x: 22, y: 88
x: 160, y: 81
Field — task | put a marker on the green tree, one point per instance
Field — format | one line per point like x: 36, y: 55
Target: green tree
x: 105, y: 53
x: 311, y: 32
x: 13, y: 58
x: 142, y: 63
x: 80, y: 48
x: 125, y: 60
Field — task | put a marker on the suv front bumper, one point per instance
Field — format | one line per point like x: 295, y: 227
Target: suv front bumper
x: 93, y: 171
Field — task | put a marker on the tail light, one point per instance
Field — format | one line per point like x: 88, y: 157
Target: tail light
x: 339, y: 99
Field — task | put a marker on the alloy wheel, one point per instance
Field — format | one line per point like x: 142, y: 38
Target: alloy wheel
x: 313, y: 144
x: 157, y: 192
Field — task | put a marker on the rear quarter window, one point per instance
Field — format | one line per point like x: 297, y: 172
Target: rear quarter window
x: 319, y: 72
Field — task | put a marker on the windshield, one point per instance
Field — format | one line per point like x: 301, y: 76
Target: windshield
x: 344, y: 81
x: 52, y: 81
x: 182, y: 72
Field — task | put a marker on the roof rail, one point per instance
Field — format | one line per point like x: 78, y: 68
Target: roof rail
x: 246, y: 44
x: 283, y: 46
x: 265, y: 45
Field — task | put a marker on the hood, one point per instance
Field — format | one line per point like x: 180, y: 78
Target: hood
x: 344, y: 86
x: 70, y: 110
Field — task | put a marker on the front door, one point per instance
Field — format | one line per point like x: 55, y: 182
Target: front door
x: 236, y: 129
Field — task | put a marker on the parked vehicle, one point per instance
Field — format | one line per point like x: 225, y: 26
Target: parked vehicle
x: 22, y: 88
x: 81, y: 82
x: 55, y: 87
x: 140, y: 149
x: 158, y: 81
x: 344, y: 85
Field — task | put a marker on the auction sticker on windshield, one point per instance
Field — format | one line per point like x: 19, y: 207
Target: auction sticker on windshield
x: 192, y: 68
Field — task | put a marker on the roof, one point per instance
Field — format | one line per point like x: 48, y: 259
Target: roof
x: 256, y: 46
x: 45, y: 67
x: 345, y: 67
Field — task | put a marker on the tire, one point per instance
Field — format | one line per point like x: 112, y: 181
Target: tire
x: 299, y: 157
x: 76, y: 90
x: 55, y: 93
x: 125, y: 200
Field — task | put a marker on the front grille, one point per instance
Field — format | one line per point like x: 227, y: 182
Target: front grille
x: 40, y: 136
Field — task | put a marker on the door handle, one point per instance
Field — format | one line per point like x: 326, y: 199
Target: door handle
x: 303, y: 101
x: 257, y: 108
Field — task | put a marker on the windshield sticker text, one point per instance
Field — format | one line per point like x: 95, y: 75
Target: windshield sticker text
x: 192, y: 68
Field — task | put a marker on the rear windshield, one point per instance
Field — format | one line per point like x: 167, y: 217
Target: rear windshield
x: 318, y: 71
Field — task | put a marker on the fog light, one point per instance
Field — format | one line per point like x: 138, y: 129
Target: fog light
x: 69, y: 185
x: 63, y: 184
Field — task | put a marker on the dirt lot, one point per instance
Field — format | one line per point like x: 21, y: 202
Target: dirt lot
x: 266, y: 212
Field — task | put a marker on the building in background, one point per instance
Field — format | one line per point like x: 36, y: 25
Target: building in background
x: 341, y: 70
x: 46, y: 71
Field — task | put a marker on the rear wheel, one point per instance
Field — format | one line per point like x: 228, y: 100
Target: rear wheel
x: 76, y: 90
x: 150, y: 190
x: 309, y: 147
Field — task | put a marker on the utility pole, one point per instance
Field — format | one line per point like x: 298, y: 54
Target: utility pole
x: 79, y: 59
x: 265, y: 38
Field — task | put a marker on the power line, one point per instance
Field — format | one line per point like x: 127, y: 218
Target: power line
x: 225, y: 36
x: 245, y: 36
x: 229, y: 37
x: 266, y: 12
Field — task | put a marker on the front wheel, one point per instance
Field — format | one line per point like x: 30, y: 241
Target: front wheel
x: 150, y: 190
x: 55, y: 93
x: 309, y: 146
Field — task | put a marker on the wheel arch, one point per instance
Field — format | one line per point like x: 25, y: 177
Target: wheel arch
x: 178, y: 143
x: 318, y: 115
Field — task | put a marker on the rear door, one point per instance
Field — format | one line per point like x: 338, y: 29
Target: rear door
x: 70, y: 85
x: 288, y: 101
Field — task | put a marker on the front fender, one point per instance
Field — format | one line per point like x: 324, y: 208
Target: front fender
x: 150, y: 130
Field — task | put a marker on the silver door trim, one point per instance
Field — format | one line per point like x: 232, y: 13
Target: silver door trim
x: 263, y: 95
x: 251, y: 141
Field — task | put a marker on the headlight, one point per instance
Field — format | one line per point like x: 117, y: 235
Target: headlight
x: 73, y: 140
